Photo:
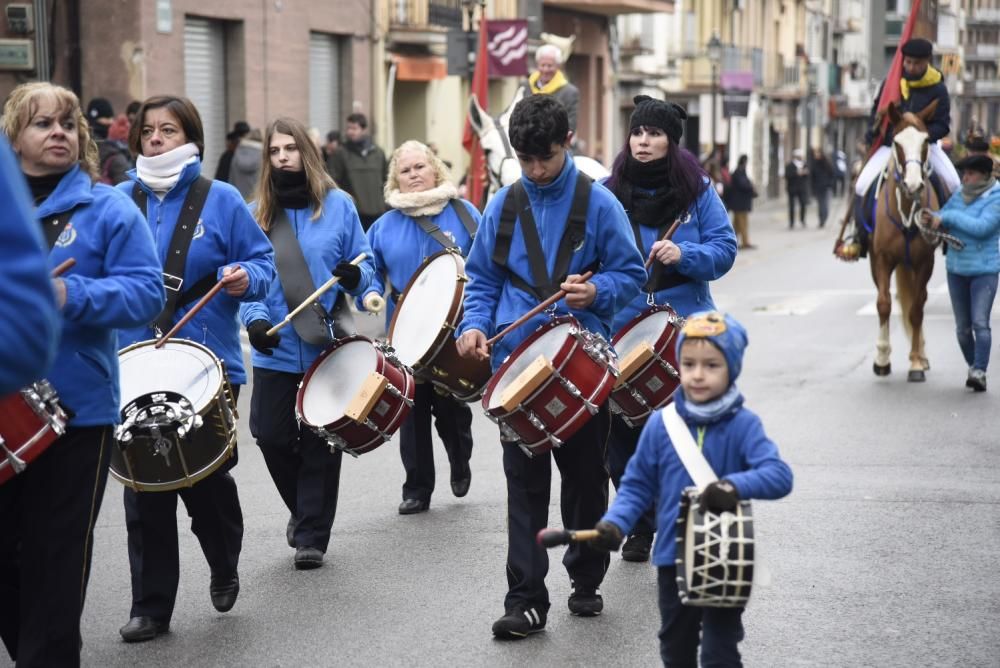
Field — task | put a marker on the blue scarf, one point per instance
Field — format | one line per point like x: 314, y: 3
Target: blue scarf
x: 725, y: 406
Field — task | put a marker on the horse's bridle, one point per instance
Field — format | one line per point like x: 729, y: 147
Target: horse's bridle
x: 508, y: 153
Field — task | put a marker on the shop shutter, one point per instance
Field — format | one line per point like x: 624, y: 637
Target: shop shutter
x: 205, y: 83
x: 324, y: 83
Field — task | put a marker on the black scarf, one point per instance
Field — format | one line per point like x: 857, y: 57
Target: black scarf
x: 290, y: 188
x: 646, y: 194
x: 42, y: 186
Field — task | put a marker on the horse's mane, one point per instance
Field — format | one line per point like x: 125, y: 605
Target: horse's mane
x: 909, y: 120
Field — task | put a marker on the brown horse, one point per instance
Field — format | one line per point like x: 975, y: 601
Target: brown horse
x: 897, y: 244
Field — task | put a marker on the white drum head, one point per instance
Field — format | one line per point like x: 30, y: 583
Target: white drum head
x: 423, y: 311
x: 335, y: 382
x: 179, y: 366
x: 548, y: 344
x: 649, y: 329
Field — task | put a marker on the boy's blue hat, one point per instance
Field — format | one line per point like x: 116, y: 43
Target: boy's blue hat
x: 723, y: 331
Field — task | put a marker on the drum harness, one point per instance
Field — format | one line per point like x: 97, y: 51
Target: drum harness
x: 659, y: 277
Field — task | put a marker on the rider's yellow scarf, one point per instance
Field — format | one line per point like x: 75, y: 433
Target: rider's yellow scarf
x: 931, y: 77
x: 554, y: 84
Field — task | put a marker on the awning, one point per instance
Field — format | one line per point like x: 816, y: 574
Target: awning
x: 419, y: 68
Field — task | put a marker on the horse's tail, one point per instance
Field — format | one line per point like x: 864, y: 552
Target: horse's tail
x: 905, y: 291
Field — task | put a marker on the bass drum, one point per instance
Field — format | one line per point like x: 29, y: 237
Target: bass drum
x: 178, y: 416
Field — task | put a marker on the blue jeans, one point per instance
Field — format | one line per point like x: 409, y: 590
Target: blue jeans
x: 721, y: 630
x: 972, y: 302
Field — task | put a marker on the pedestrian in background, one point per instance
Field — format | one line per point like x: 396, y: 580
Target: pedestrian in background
x: 549, y: 79
x: 740, y: 196
x: 113, y: 158
x: 973, y: 215
x: 360, y: 168
x: 244, y: 171
x: 331, y: 145
x: 821, y: 177
x: 233, y: 137
x: 797, y: 186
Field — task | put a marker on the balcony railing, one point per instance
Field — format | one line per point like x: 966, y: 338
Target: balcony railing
x: 421, y: 13
x: 982, y: 51
x: 983, y: 87
x: 983, y: 16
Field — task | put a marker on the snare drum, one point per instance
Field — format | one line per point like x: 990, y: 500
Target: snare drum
x: 647, y: 351
x: 551, y: 385
x: 714, y: 554
x: 178, y: 416
x: 355, y: 395
x: 30, y: 421
x: 422, y: 331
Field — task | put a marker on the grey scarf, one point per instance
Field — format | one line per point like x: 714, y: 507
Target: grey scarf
x: 973, y: 191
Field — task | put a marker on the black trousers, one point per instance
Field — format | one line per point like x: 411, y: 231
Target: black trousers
x: 453, y: 421
x: 621, y: 446
x: 802, y: 198
x: 305, y: 472
x: 213, y: 505
x: 583, y: 500
x: 47, y: 517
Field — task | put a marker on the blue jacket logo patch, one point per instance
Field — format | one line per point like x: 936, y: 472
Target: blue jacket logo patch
x: 199, y: 230
x: 67, y: 237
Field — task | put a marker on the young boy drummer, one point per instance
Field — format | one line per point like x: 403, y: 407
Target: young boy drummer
x: 732, y: 439
x: 507, y: 284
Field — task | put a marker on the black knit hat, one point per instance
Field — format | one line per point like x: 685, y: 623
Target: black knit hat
x: 977, y: 163
x: 658, y: 114
x: 99, y: 107
x: 918, y: 48
x: 978, y: 144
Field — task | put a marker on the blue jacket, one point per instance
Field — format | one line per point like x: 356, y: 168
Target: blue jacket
x: 978, y: 225
x: 227, y: 235
x: 116, y: 283
x: 400, y: 246
x: 334, y: 237
x: 492, y: 301
x: 737, y: 449
x: 28, y: 306
x: 708, y: 250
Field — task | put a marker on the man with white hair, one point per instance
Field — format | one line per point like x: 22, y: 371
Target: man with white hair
x: 548, y: 79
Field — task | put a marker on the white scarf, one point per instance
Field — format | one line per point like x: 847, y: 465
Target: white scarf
x: 161, y: 172
x: 424, y: 202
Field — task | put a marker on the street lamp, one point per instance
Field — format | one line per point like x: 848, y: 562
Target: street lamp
x: 714, y: 49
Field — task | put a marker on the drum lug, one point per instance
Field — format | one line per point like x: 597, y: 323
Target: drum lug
x: 439, y: 372
x: 371, y: 425
x: 462, y: 278
x: 638, y: 397
x: 537, y: 423
x: 335, y: 442
x: 16, y: 463
x: 556, y: 441
x: 469, y: 385
x: 508, y: 434
x: 391, y: 389
x: 575, y: 391
x: 526, y: 450
x: 668, y: 367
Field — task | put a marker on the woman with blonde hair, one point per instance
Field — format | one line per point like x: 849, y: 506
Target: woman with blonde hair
x: 48, y: 512
x: 422, y: 197
x: 315, y: 231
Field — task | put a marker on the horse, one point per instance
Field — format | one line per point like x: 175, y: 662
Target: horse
x: 898, y: 241
x: 502, y: 164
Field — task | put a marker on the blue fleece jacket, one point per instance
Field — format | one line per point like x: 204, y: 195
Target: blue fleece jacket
x: 978, y: 225
x: 336, y: 236
x: 708, y: 250
x: 400, y: 246
x: 226, y: 235
x: 116, y: 283
x: 492, y: 301
x: 27, y: 306
x: 737, y: 449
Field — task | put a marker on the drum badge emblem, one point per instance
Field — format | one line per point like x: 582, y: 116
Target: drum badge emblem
x: 67, y: 237
x: 555, y: 407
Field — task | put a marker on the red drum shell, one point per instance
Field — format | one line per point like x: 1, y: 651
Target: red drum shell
x: 654, y: 383
x: 389, y: 412
x: 29, y: 424
x: 572, y: 362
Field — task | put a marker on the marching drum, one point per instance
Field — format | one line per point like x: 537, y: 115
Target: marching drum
x: 647, y: 351
x: 552, y: 383
x: 178, y: 416
x: 714, y: 554
x: 30, y: 421
x: 355, y: 395
x: 423, y: 328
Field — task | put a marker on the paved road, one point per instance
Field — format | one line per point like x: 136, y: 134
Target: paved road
x: 885, y: 554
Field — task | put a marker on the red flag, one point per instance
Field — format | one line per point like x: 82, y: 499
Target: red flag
x: 890, y: 91
x: 476, y: 183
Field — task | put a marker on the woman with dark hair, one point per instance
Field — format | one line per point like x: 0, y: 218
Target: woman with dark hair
x: 48, y: 512
x: 209, y: 220
x: 741, y: 194
x: 659, y: 182
x: 315, y: 231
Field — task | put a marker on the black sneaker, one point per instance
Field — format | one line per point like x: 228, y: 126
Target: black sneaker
x: 519, y: 622
x: 637, y: 547
x: 586, y: 601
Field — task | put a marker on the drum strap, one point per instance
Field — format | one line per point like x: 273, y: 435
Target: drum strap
x: 690, y: 454
x: 180, y: 244
x: 297, y: 284
x: 428, y: 226
x: 660, y: 278
x: 517, y: 207
x: 54, y: 225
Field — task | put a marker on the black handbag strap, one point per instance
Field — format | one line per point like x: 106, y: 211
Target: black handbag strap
x: 54, y: 224
x: 180, y: 244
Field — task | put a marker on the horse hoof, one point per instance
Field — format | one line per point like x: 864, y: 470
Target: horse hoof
x: 916, y: 376
x: 881, y: 370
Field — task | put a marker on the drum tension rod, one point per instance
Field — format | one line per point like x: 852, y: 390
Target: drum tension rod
x: 16, y: 463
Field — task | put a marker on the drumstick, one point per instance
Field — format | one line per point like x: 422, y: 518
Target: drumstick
x: 555, y: 537
x: 666, y: 237
x: 535, y: 311
x: 313, y: 297
x: 190, y: 314
x: 63, y: 267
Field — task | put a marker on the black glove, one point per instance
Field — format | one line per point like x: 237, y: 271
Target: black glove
x: 259, y: 339
x: 719, y: 496
x: 609, y: 537
x: 350, y: 274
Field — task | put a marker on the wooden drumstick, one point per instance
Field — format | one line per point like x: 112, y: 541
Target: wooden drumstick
x: 313, y: 297
x: 666, y: 237
x: 190, y: 314
x: 535, y: 311
x: 63, y: 267
x: 555, y: 537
